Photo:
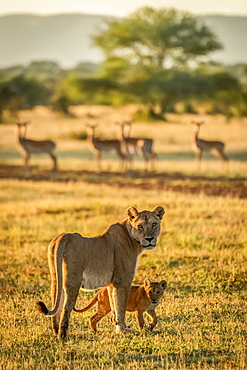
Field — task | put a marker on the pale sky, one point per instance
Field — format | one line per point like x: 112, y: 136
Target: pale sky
x: 120, y: 7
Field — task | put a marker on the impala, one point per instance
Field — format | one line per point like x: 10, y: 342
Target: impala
x: 28, y: 146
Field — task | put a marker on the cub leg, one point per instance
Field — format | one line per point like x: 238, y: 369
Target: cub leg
x: 140, y: 318
x: 152, y: 313
x: 104, y: 308
x: 97, y: 317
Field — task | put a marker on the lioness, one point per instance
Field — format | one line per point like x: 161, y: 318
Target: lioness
x: 141, y: 298
x: 109, y: 259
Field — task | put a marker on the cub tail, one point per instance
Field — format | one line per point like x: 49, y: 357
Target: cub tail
x: 90, y: 305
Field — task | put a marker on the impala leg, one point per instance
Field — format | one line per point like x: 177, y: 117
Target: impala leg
x: 222, y: 156
x: 147, y: 160
x: 154, y: 159
x: 130, y: 161
x: 26, y: 158
x: 198, y: 159
x: 54, y: 159
x: 98, y: 157
x: 123, y: 159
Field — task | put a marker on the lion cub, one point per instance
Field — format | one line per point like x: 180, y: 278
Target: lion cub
x: 141, y: 298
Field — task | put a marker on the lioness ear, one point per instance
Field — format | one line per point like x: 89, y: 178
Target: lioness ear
x: 159, y: 212
x: 132, y: 212
x: 163, y: 283
x: 147, y: 282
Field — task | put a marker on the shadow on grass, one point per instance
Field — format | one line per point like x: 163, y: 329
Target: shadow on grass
x: 179, y: 182
x: 240, y: 156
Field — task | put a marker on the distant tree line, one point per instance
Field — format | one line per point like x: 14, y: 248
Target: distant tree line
x: 157, y: 58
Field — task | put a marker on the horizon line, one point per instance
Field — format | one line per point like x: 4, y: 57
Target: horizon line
x: 111, y: 15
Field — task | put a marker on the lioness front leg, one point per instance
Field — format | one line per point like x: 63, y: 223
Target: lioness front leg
x: 120, y: 297
x: 112, y: 305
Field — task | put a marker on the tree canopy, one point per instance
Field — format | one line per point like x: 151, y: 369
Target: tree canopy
x: 158, y: 38
x: 153, y: 55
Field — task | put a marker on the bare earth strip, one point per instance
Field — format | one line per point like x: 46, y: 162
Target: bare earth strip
x: 178, y: 182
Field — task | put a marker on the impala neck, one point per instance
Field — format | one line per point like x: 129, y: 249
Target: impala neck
x: 90, y: 135
x: 195, y: 133
x: 21, y: 134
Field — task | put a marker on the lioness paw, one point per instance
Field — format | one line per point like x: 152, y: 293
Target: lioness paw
x: 126, y: 330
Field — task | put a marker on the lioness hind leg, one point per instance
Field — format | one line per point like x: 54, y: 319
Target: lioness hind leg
x: 71, y: 294
x: 56, y: 317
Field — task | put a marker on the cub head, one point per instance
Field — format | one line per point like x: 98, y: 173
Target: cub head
x: 144, y: 226
x: 155, y: 290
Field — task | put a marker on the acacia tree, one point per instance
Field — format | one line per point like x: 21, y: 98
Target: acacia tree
x: 21, y: 92
x: 142, y: 50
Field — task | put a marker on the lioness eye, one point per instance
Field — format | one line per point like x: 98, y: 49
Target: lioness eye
x: 158, y: 292
x: 154, y: 224
x: 140, y: 227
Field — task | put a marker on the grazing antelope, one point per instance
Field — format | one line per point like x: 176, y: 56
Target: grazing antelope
x: 200, y: 145
x: 28, y: 146
x: 97, y: 146
x: 140, y: 146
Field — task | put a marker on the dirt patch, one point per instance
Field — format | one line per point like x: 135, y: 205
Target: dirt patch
x: 178, y: 182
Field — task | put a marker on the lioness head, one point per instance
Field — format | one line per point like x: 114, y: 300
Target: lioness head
x: 155, y: 291
x: 145, y: 225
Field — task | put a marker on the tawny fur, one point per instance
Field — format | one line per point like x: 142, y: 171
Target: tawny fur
x: 90, y: 263
x: 144, y: 298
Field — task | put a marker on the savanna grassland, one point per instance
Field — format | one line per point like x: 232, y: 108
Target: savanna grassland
x: 202, y: 250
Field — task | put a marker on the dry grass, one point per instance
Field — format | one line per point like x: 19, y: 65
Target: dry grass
x: 201, y: 251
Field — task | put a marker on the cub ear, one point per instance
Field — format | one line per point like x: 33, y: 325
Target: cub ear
x: 159, y: 211
x: 147, y: 282
x: 163, y: 283
x: 132, y: 212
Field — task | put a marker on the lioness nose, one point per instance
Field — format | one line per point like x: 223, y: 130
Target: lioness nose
x: 149, y: 239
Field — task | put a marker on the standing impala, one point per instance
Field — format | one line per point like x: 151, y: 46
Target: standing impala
x: 140, y: 146
x: 97, y: 146
x: 200, y: 145
x: 28, y: 146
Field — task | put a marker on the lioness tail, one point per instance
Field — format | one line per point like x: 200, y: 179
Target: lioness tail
x: 42, y: 308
